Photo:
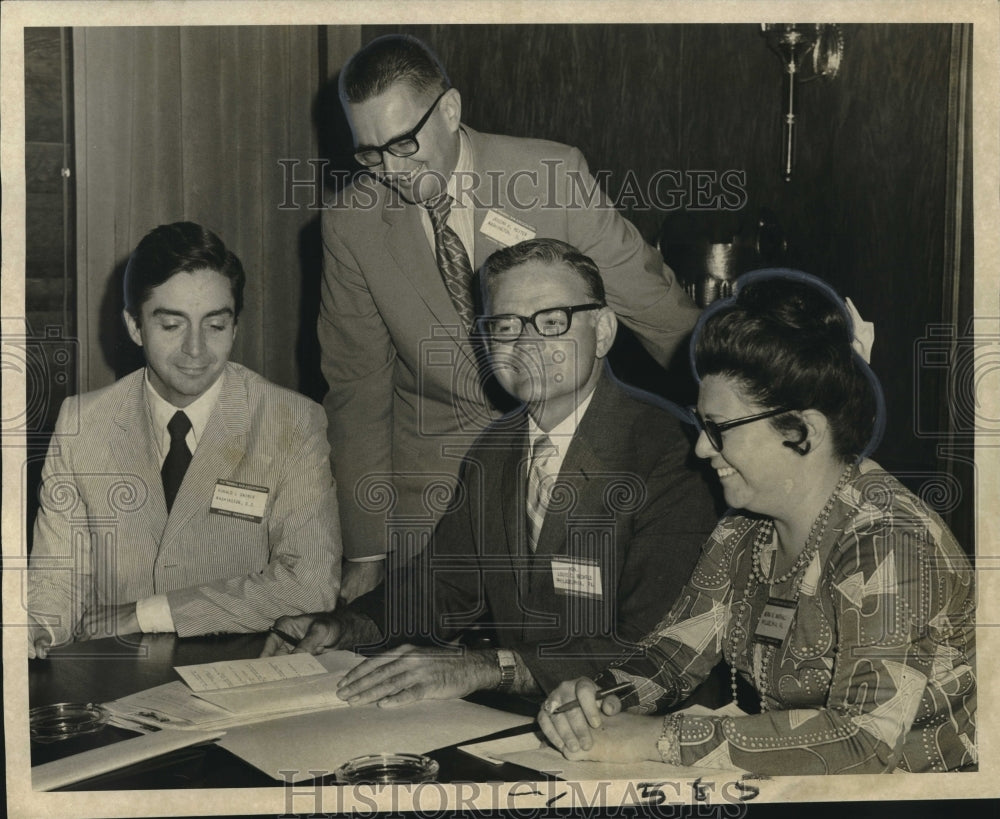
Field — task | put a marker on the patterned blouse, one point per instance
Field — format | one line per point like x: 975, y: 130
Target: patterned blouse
x: 876, y: 669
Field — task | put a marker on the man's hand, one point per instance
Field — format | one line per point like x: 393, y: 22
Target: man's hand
x: 315, y: 633
x: 409, y: 673
x: 356, y: 578
x: 39, y: 642
x: 107, y: 621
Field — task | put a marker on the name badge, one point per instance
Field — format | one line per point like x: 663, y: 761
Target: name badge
x: 239, y: 500
x: 775, y: 621
x: 505, y: 231
x: 577, y: 577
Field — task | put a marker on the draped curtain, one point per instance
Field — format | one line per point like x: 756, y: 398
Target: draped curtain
x: 190, y: 124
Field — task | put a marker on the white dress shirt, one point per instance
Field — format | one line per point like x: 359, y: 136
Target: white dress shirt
x: 561, y: 435
x: 153, y: 613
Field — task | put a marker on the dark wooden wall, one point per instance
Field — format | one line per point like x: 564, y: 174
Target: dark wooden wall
x: 865, y: 209
x: 50, y: 280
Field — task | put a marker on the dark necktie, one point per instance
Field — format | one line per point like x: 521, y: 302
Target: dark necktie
x: 178, y: 457
x: 452, y: 260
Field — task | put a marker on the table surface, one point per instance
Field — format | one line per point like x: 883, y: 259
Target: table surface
x: 104, y: 670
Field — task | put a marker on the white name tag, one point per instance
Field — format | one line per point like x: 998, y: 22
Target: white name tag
x: 239, y: 500
x: 775, y: 621
x: 577, y: 577
x: 505, y: 231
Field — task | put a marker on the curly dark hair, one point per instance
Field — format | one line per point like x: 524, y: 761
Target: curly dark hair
x: 785, y: 338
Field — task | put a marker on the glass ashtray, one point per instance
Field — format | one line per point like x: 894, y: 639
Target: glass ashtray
x: 387, y: 769
x: 51, y: 723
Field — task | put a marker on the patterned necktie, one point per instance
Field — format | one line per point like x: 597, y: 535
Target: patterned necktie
x: 178, y: 457
x: 539, y: 488
x: 452, y: 260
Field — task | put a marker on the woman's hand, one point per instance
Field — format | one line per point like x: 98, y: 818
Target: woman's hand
x: 597, y: 730
x: 571, y: 731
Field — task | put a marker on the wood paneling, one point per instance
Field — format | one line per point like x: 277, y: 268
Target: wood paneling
x: 50, y: 291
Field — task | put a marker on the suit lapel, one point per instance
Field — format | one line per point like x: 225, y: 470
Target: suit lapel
x: 135, y: 452
x: 407, y: 242
x: 220, y: 451
x: 587, y: 459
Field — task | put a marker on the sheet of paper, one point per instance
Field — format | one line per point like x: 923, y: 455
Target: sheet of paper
x: 84, y: 765
x: 319, y: 691
x: 171, y: 705
x: 325, y: 740
x: 236, y: 673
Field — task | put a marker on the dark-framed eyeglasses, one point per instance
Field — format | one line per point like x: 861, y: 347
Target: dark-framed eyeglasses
x: 401, y: 146
x: 714, y: 429
x: 548, y: 323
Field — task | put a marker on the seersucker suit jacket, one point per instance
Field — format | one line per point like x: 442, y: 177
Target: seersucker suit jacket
x: 628, y: 500
x: 103, y: 535
x: 406, y: 395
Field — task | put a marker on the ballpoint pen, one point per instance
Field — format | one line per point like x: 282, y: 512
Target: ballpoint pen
x: 284, y: 635
x: 599, y: 695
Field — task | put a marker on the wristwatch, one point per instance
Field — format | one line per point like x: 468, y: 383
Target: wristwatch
x: 507, y: 663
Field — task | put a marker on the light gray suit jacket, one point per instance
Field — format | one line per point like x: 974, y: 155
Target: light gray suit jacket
x: 103, y: 535
x: 406, y: 396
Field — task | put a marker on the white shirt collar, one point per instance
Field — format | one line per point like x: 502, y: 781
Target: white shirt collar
x: 562, y: 433
x: 198, y: 413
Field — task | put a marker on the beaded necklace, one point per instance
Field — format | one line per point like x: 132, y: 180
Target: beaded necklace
x: 757, y: 576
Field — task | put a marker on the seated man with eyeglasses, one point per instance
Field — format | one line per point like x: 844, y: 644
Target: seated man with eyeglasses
x: 577, y: 520
x: 400, y: 245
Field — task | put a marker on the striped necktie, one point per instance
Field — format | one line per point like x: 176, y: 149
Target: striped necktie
x: 178, y: 457
x: 539, y: 488
x: 452, y: 260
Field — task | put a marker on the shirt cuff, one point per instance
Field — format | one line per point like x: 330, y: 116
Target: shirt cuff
x: 366, y: 559
x: 153, y: 614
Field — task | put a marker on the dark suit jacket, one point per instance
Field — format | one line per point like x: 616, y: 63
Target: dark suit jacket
x: 627, y: 499
x: 406, y: 397
x: 103, y: 535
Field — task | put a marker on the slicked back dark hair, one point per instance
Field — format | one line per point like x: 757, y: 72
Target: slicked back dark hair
x: 548, y: 251
x: 390, y: 59
x: 786, y: 343
x: 181, y: 247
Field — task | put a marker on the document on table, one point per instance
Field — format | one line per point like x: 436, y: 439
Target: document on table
x: 238, y: 673
x: 175, y: 705
x: 325, y: 740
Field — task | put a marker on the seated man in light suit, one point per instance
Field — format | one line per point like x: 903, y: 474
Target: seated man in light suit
x: 194, y: 496
x: 397, y: 303
x: 577, y: 521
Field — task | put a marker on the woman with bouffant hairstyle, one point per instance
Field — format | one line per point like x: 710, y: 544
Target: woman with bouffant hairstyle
x: 837, y: 594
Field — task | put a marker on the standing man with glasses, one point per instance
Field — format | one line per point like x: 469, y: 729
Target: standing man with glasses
x: 579, y: 516
x: 407, y: 395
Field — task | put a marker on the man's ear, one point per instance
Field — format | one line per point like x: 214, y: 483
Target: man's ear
x: 451, y: 104
x: 132, y: 326
x: 606, y: 327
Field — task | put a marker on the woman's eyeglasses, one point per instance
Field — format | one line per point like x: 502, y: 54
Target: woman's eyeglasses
x: 714, y: 429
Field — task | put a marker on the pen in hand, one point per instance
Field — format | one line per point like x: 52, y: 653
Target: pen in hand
x: 598, y: 695
x: 284, y: 635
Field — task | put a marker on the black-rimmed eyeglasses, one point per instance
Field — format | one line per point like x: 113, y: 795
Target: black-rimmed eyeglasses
x: 401, y: 146
x: 551, y: 322
x: 714, y: 429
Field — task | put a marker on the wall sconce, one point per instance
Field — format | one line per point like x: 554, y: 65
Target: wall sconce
x: 795, y: 43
